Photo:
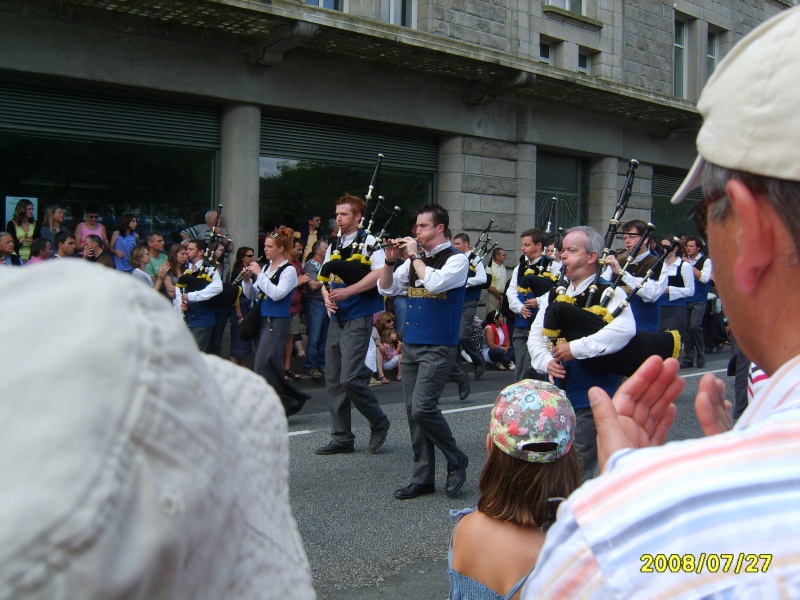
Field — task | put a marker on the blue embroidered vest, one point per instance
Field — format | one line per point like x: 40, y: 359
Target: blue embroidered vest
x: 433, y: 319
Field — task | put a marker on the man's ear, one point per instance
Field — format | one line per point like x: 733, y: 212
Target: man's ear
x: 754, y: 235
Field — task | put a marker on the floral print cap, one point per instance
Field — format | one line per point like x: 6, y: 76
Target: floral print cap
x: 533, y: 421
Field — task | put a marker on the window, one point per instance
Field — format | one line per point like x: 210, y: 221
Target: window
x: 712, y: 53
x: 331, y: 4
x: 679, y: 66
x: 576, y: 6
x: 398, y: 12
x: 167, y: 188
x: 584, y: 63
x: 545, y: 53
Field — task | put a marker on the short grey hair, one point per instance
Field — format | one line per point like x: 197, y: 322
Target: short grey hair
x: 594, y: 241
x: 782, y: 194
x: 209, y: 213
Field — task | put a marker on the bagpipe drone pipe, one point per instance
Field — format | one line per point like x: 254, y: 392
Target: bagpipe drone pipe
x: 355, y: 267
x: 199, y: 280
x: 563, y: 319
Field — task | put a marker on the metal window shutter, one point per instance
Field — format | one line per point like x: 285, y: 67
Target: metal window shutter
x: 666, y: 184
x: 93, y: 116
x: 335, y: 144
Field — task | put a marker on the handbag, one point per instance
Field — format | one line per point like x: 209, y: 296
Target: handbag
x: 248, y: 328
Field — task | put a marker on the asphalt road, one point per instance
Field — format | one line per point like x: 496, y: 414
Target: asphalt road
x: 360, y: 541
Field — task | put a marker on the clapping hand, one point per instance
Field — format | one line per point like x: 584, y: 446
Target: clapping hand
x: 641, y: 412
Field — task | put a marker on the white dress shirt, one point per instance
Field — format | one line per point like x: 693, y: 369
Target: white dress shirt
x: 611, y: 338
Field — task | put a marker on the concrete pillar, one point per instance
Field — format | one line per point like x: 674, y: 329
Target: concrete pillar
x: 603, y: 192
x: 451, y: 180
x: 239, y: 182
x: 606, y: 180
x: 525, y: 205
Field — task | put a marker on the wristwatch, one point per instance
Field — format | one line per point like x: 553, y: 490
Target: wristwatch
x: 414, y: 256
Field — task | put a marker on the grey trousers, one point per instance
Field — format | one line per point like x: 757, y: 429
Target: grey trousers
x: 520, y: 342
x: 347, y: 378
x: 425, y: 370
x: 268, y: 362
x: 586, y: 442
x: 694, y: 332
x: 465, y: 336
x: 202, y: 335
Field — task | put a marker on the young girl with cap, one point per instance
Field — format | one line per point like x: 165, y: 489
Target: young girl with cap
x: 530, y: 469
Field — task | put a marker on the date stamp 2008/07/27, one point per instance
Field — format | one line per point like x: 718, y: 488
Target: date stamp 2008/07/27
x: 710, y: 563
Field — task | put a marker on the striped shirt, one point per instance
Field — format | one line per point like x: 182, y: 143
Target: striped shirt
x: 678, y: 521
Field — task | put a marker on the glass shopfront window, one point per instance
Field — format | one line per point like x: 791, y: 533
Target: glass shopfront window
x: 168, y: 189
x: 291, y: 190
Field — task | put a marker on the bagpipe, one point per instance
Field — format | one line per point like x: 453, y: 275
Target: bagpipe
x: 535, y: 280
x: 478, y: 253
x: 354, y: 268
x: 194, y: 281
x: 565, y: 320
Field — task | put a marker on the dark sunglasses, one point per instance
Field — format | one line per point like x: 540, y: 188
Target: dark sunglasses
x: 249, y: 255
x: 274, y: 235
x: 390, y: 320
x: 699, y: 213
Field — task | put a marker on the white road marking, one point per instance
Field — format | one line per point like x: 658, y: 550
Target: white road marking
x: 703, y: 373
x: 466, y: 408
x: 301, y: 432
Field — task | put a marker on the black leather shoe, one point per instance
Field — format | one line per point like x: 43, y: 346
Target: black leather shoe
x: 456, y: 476
x: 464, y: 390
x: 480, y: 369
x: 686, y: 365
x: 334, y: 448
x: 377, y: 438
x: 701, y: 364
x: 414, y: 490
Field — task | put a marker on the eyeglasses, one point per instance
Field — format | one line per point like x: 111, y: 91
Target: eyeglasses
x: 92, y: 216
x: 249, y: 255
x: 699, y: 213
x: 626, y: 236
x: 274, y: 235
x: 390, y: 320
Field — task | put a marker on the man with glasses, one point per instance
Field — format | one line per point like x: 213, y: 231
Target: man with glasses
x: 715, y: 516
x: 696, y: 304
x: 435, y: 274
x: 646, y: 303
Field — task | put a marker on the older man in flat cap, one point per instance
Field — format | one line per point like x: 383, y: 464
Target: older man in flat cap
x: 716, y: 516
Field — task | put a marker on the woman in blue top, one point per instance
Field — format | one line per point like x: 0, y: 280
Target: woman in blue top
x: 530, y: 469
x: 276, y: 285
x: 123, y: 241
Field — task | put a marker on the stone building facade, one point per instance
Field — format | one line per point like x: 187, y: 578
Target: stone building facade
x: 488, y: 107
